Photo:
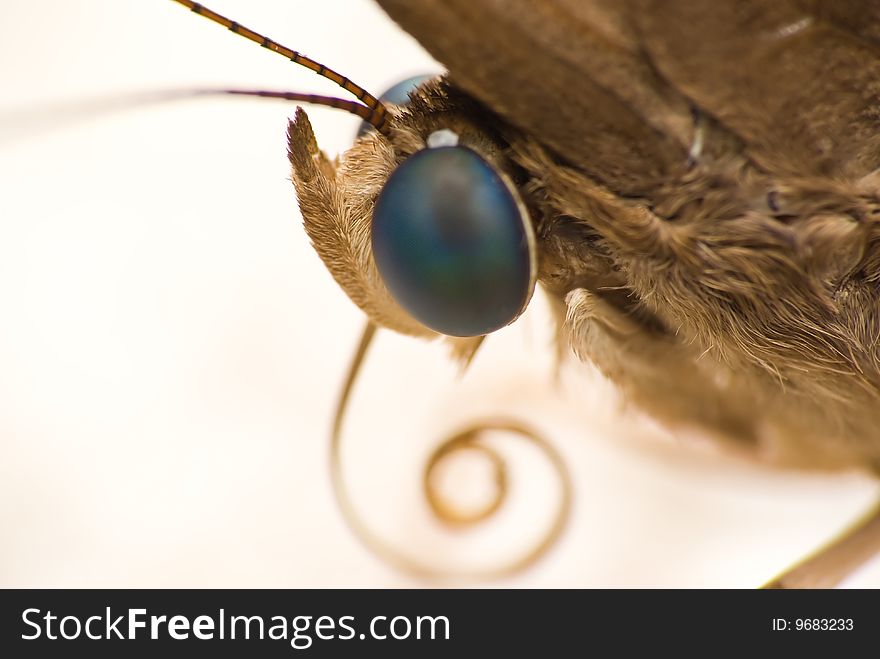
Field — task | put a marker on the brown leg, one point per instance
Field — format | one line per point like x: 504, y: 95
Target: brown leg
x: 834, y: 562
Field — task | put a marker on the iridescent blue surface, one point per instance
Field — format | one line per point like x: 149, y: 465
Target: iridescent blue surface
x: 398, y: 95
x: 450, y: 243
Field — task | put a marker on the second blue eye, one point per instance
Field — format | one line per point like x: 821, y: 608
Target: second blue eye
x: 452, y: 243
x: 398, y: 95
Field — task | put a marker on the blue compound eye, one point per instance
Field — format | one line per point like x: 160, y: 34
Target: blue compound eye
x: 452, y: 243
x: 398, y: 95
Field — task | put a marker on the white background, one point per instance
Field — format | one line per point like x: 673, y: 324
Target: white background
x: 171, y: 348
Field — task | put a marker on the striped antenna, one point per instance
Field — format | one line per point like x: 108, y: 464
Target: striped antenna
x: 352, y: 107
x: 375, y: 112
x: 31, y: 121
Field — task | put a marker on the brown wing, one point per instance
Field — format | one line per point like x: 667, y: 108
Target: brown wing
x: 798, y: 81
x: 557, y: 70
x: 610, y: 85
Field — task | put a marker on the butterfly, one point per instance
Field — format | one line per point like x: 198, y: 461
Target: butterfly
x: 642, y: 150
x: 701, y: 186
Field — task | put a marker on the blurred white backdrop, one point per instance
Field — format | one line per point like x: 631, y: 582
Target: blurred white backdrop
x: 171, y: 348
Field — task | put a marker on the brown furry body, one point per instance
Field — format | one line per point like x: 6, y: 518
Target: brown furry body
x: 758, y: 324
x: 732, y: 287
